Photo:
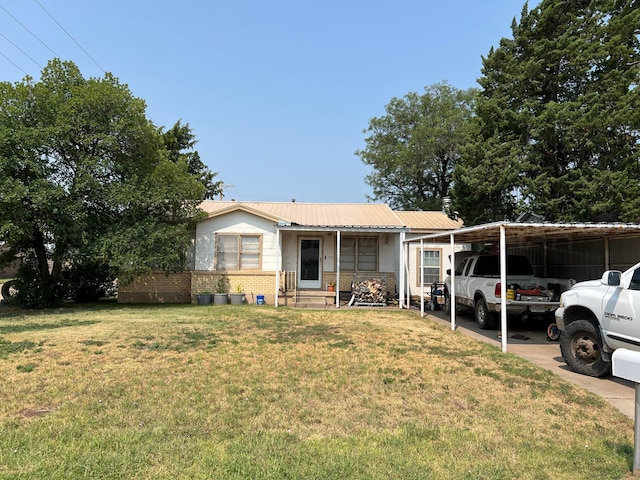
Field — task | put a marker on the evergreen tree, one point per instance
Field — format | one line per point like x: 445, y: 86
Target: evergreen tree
x: 557, y: 124
x: 179, y: 141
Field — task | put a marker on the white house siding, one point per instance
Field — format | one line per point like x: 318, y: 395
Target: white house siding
x: 388, y: 252
x: 234, y: 223
x: 329, y: 253
x: 289, y: 249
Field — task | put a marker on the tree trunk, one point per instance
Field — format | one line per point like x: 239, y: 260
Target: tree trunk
x: 41, y: 254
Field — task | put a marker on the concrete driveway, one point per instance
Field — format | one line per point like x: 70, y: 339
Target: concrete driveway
x: 529, y: 341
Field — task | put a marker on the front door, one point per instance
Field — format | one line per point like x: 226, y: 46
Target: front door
x: 309, y: 263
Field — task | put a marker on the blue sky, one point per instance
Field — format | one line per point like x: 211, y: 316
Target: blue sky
x: 278, y: 92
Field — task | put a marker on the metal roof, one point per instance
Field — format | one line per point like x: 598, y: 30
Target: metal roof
x: 314, y: 214
x: 423, y: 222
x: 521, y: 233
x: 336, y: 215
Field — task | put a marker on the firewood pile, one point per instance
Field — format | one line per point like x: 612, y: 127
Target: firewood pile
x: 369, y: 291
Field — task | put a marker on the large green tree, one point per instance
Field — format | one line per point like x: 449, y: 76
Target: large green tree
x: 86, y: 177
x: 558, y: 120
x: 180, y: 141
x: 413, y: 148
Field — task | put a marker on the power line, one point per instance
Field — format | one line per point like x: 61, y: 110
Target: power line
x: 23, y: 52
x: 69, y: 35
x: 13, y: 63
x: 32, y: 34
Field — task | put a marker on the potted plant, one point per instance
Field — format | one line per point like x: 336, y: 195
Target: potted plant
x: 237, y: 298
x: 331, y: 286
x: 221, y: 296
x: 204, y: 298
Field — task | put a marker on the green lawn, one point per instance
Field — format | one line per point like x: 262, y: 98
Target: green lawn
x: 236, y: 392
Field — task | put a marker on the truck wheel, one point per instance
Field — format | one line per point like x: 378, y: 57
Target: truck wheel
x: 581, y: 348
x: 447, y: 303
x: 9, y: 290
x: 485, y: 319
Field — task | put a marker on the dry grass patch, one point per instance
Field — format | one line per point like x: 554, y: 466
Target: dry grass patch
x: 254, y: 392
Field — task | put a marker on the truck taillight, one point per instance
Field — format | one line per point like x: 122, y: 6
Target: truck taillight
x: 498, y: 290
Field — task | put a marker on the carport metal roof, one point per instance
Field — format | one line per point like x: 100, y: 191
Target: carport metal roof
x: 518, y: 234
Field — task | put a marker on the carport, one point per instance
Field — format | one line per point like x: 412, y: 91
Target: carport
x: 614, y: 237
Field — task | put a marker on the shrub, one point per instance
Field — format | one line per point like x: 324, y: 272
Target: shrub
x: 88, y: 281
x: 34, y: 291
x: 223, y: 285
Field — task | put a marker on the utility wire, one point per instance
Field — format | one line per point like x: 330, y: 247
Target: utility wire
x: 32, y: 34
x: 23, y: 52
x: 69, y: 35
x: 13, y: 63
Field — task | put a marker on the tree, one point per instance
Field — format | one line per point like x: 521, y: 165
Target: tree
x: 85, y: 177
x: 414, y: 147
x: 179, y: 141
x: 557, y: 126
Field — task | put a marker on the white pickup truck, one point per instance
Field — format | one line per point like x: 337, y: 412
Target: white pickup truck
x: 598, y: 316
x: 477, y: 287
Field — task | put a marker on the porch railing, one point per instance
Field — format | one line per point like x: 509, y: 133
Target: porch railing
x: 288, y: 281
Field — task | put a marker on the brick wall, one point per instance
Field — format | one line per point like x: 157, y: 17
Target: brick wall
x: 183, y: 287
x: 252, y: 284
x: 157, y: 288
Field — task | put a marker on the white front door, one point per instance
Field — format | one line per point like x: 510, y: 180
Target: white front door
x: 310, y: 263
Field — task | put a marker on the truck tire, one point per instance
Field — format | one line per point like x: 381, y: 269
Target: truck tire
x: 485, y: 319
x: 8, y: 290
x: 447, y: 302
x: 581, y: 348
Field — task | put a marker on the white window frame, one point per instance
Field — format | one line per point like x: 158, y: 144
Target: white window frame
x: 422, y: 267
x: 238, y: 251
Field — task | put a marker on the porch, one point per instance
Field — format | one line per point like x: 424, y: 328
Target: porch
x: 308, y: 299
x: 371, y: 289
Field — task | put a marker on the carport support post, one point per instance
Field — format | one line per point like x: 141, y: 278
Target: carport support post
x: 503, y: 282
x: 636, y: 430
x: 338, y: 240
x: 422, y: 279
x: 452, y: 295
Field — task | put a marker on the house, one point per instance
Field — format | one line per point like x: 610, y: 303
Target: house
x: 11, y: 269
x: 430, y: 259
x: 289, y: 250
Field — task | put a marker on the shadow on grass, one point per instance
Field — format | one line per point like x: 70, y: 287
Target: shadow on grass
x: 30, y: 327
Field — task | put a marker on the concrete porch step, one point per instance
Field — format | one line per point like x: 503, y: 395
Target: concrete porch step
x: 310, y: 299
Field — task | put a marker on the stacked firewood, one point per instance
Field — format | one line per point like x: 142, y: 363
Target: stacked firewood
x: 369, y: 291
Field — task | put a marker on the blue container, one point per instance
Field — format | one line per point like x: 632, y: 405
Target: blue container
x: 260, y: 299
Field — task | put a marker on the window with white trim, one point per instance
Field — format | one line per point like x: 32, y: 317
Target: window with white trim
x: 359, y: 254
x: 238, y: 252
x: 429, y: 268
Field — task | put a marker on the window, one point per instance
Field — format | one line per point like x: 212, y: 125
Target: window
x: 430, y: 266
x: 464, y: 264
x: 238, y: 252
x: 359, y: 254
x: 469, y: 262
x: 635, y: 280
